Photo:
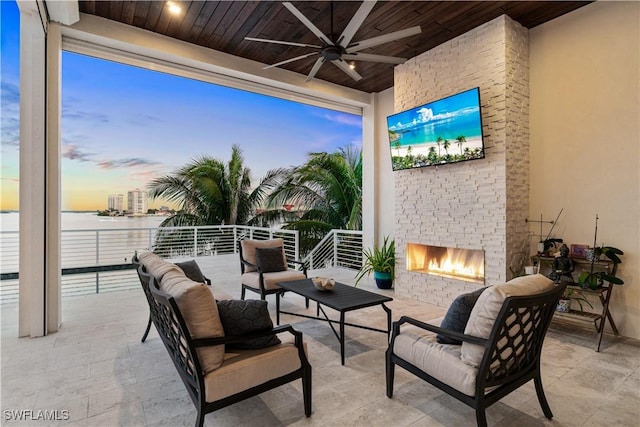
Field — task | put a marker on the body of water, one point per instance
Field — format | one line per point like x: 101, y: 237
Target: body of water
x: 9, y: 221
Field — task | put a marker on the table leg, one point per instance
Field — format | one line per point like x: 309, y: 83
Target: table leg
x: 342, y: 337
x: 278, y: 308
x: 388, y: 310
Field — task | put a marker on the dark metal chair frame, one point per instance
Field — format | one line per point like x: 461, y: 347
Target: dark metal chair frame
x: 169, y: 322
x: 262, y: 291
x: 506, y: 365
x: 136, y: 264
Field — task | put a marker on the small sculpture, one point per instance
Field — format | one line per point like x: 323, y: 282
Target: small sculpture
x: 562, y: 267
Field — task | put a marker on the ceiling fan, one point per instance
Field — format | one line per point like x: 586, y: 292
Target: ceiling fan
x: 341, y: 49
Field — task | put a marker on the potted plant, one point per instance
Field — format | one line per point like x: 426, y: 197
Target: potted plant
x: 595, y: 279
x: 382, y: 262
x: 564, y: 304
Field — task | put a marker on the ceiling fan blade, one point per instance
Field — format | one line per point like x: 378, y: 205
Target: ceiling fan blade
x: 355, y: 23
x: 315, y: 68
x: 253, y: 39
x: 307, y: 23
x: 342, y: 64
x: 374, y: 58
x: 386, y: 38
x: 290, y: 60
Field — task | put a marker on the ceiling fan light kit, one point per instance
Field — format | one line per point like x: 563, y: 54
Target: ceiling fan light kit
x: 337, y: 52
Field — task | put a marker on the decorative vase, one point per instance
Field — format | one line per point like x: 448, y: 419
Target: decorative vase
x: 383, y: 280
x: 563, y: 305
x: 590, y: 254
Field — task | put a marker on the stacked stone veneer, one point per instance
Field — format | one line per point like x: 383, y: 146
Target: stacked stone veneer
x: 479, y: 204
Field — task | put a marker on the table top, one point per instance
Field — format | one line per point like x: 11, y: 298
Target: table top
x: 342, y: 297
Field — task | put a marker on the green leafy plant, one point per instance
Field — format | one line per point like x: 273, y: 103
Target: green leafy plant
x: 575, y: 295
x: 594, y: 280
x: 381, y: 259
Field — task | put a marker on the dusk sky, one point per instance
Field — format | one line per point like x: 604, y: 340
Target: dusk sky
x: 122, y: 126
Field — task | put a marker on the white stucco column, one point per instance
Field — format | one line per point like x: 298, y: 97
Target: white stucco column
x: 39, y: 268
x: 53, y: 180
x: 369, y: 234
x: 32, y: 320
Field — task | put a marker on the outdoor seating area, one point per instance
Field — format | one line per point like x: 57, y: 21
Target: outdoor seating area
x: 97, y: 369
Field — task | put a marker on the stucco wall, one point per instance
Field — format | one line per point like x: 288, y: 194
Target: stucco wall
x: 585, y: 136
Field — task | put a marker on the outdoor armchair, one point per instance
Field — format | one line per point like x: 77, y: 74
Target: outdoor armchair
x: 500, y: 350
x: 263, y: 263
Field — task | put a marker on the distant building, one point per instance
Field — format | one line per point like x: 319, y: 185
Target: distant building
x: 116, y: 202
x: 137, y: 202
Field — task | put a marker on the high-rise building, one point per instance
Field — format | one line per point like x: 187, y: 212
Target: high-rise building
x: 137, y: 202
x: 116, y: 202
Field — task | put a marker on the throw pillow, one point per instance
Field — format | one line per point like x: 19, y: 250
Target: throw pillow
x: 270, y: 259
x: 192, y: 271
x: 458, y: 315
x: 239, y: 317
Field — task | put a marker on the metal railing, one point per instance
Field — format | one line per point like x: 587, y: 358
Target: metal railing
x: 98, y: 260
x: 339, y: 248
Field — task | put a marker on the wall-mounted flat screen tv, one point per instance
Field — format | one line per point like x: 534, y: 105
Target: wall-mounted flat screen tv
x: 448, y: 130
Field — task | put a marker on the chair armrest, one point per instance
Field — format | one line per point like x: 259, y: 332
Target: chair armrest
x: 438, y: 330
x: 302, y: 263
x: 207, y: 281
x: 248, y: 264
x: 234, y: 339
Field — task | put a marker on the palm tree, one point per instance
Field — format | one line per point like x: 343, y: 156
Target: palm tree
x: 460, y: 140
x: 208, y: 191
x: 446, y: 144
x: 439, y: 141
x: 327, y: 189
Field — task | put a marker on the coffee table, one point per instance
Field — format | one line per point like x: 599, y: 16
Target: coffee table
x: 342, y: 298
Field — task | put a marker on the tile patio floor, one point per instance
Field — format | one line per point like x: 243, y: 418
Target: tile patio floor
x: 97, y: 369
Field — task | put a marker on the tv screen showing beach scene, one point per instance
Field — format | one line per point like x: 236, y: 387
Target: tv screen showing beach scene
x: 445, y: 131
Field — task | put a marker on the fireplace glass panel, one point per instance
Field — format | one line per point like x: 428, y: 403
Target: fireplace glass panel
x: 462, y: 264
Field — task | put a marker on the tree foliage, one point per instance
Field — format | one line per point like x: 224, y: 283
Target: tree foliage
x: 208, y: 191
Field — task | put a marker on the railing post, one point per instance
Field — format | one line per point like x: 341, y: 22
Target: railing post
x: 195, y: 242
x: 97, y: 261
x: 235, y: 239
x: 335, y: 248
x: 296, y: 238
x: 150, y: 238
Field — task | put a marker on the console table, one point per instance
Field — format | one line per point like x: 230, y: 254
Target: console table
x: 603, y: 293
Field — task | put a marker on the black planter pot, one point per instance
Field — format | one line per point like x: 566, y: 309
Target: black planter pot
x: 383, y: 280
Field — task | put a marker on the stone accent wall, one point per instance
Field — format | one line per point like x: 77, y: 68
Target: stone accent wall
x: 480, y: 204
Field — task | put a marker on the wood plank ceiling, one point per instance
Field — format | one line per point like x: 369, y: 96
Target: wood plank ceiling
x: 223, y: 25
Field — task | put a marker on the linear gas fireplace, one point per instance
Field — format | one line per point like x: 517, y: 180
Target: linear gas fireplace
x: 462, y: 264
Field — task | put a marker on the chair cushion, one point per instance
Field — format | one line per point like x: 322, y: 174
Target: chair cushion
x: 243, y: 316
x: 458, y: 315
x: 192, y: 271
x: 244, y: 369
x: 271, y: 279
x: 270, y: 259
x: 441, y: 361
x: 249, y: 250
x: 200, y: 312
x: 156, y: 266
x: 484, y: 313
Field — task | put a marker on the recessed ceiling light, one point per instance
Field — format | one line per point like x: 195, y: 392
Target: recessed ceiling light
x: 352, y: 65
x: 174, y: 8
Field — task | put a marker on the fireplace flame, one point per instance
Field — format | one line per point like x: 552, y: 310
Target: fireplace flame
x: 451, y: 267
x: 465, y: 264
